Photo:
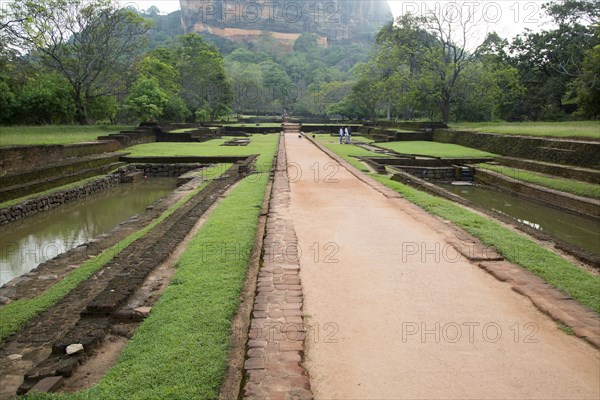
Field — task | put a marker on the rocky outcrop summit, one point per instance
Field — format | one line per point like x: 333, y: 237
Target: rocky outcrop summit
x: 284, y: 20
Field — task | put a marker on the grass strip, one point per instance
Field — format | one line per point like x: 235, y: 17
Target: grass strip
x: 180, y: 351
x: 258, y: 145
x: 518, y: 249
x: 572, y: 129
x: 14, y: 315
x: 434, y: 149
x: 55, y: 134
x: 349, y: 152
x: 563, y: 185
x: 579, y: 284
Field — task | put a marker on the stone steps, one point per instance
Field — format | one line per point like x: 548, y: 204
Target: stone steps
x: 16, y: 186
x: 570, y: 172
x: 99, y: 303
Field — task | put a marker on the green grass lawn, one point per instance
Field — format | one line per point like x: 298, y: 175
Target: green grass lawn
x: 17, y: 313
x: 578, y: 283
x: 434, y: 149
x: 257, y: 125
x: 572, y: 129
x: 54, y: 134
x: 184, y: 130
x: 180, y: 351
x: 214, y: 147
x: 561, y: 184
x: 348, y: 151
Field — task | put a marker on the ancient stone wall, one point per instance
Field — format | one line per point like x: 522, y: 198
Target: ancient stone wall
x: 563, y: 201
x: 26, y: 158
x: 47, y: 202
x: 568, y: 152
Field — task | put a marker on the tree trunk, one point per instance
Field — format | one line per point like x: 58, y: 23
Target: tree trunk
x: 80, y: 109
x: 445, y: 109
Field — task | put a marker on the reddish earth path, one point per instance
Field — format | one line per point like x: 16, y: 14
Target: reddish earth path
x: 391, y: 317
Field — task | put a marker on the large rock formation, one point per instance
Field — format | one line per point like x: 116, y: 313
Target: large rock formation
x: 284, y: 20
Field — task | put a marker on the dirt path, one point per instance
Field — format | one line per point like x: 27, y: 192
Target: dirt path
x: 392, y: 313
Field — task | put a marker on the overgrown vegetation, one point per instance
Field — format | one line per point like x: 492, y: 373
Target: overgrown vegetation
x: 108, y: 63
x: 564, y: 185
x: 180, y: 351
x: 14, y: 315
x: 432, y: 66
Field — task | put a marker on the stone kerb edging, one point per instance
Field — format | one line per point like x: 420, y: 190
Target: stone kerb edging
x: 275, y: 350
x: 381, y: 188
x: 584, y: 321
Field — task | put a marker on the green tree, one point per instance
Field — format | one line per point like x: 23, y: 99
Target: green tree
x: 46, y: 98
x: 146, y: 100
x: 205, y: 87
x: 7, y: 102
x: 587, y: 85
x: 550, y: 60
x: 86, y: 42
x: 246, y: 80
x: 366, y: 95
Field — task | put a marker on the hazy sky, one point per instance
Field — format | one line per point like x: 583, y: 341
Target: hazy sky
x: 507, y: 17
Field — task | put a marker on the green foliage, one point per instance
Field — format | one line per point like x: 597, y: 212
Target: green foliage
x: 306, y: 43
x: 146, y: 100
x: 103, y: 108
x: 205, y: 88
x: 587, y: 86
x: 550, y: 61
x: 175, y: 110
x: 88, y: 43
x: 46, y: 98
x: 7, y: 102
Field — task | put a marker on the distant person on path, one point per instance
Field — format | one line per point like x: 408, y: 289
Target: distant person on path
x: 348, y: 135
x: 341, y: 135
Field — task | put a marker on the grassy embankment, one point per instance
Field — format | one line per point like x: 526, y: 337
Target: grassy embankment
x: 54, y: 134
x: 14, y: 315
x: 434, y: 149
x: 180, y: 350
x: 584, y: 189
x: 516, y: 248
x: 82, y: 182
x: 571, y: 129
x: 423, y: 148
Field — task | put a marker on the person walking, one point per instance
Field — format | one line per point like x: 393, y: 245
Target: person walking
x: 341, y: 135
x: 348, y: 135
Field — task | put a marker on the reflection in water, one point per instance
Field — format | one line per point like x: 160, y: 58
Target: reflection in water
x: 573, y: 229
x: 24, y: 244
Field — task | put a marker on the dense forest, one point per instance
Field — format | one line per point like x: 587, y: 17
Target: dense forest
x: 90, y: 62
